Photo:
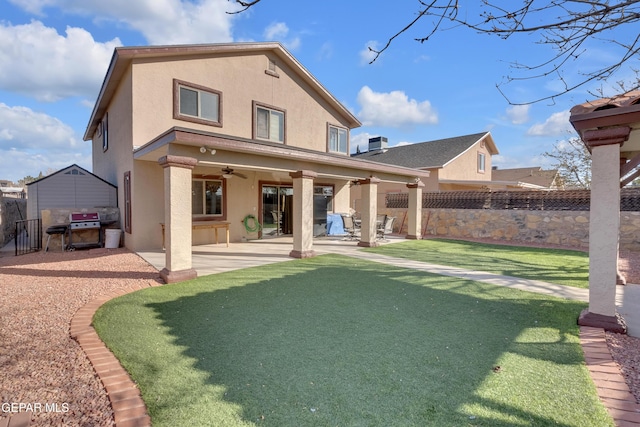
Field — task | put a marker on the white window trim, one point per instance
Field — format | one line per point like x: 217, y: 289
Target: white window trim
x: 338, y: 128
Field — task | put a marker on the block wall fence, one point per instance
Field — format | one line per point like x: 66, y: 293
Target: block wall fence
x: 566, y: 228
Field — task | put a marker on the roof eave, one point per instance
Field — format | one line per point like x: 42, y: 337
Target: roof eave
x: 122, y: 57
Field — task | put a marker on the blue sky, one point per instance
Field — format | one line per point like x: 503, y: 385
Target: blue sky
x: 54, y: 55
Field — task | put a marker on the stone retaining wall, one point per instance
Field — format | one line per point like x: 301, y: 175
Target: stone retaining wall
x: 567, y: 228
x: 11, y: 210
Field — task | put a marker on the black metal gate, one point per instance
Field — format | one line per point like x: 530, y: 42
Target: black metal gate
x: 28, y: 237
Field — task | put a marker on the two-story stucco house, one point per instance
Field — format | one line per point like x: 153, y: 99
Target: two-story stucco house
x: 223, y: 134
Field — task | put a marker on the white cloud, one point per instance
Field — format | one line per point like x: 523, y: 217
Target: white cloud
x: 556, y: 124
x: 366, y: 54
x: 393, y: 109
x: 23, y: 128
x: 518, y: 114
x: 37, y: 61
x: 278, y: 31
x: 32, y: 142
x: 159, y: 21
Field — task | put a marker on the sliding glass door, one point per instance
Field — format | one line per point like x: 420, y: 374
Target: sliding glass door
x: 277, y: 209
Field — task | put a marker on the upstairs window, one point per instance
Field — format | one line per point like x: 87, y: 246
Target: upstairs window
x: 338, y: 140
x: 197, y: 104
x: 269, y: 124
x: 481, y: 162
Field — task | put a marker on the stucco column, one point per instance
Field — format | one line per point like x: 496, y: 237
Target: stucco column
x: 604, y: 228
x: 302, y: 214
x: 415, y: 211
x: 177, y: 218
x: 369, y: 188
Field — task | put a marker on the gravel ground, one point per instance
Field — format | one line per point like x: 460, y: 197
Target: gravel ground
x: 41, y: 365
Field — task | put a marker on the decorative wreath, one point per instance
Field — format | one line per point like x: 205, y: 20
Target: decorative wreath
x: 251, y: 224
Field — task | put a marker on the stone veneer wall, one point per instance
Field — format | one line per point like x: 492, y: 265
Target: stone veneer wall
x: 11, y: 210
x: 566, y: 228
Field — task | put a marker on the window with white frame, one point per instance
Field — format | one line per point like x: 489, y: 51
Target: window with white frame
x: 481, y: 162
x: 197, y: 103
x: 338, y: 140
x: 207, y: 197
x: 269, y: 124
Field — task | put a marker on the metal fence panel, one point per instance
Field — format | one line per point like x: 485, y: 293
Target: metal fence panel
x: 28, y: 236
x: 550, y: 200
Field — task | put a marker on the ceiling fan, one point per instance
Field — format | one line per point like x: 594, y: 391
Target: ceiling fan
x: 228, y: 173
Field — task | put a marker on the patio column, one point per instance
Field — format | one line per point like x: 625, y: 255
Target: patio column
x: 604, y: 228
x: 415, y: 210
x: 302, y: 214
x: 369, y: 188
x: 177, y: 218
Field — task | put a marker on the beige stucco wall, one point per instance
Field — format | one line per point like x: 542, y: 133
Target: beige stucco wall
x: 242, y: 80
x: 142, y: 109
x: 465, y: 166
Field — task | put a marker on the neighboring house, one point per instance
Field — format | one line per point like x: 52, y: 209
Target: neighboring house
x: 459, y: 163
x: 225, y: 135
x: 9, y: 189
x: 533, y: 177
x: 69, y: 188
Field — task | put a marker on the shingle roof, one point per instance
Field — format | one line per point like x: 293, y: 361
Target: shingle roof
x: 426, y: 155
x: 532, y: 175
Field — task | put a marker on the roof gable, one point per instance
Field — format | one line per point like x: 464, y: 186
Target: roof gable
x: 430, y: 154
x: 124, y: 56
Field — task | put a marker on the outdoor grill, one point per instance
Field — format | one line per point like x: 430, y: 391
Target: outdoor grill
x: 79, y: 221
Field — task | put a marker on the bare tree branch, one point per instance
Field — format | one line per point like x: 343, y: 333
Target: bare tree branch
x: 565, y: 25
x: 245, y: 4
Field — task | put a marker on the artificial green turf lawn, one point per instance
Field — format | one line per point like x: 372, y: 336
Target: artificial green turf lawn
x: 337, y: 341
x: 560, y: 266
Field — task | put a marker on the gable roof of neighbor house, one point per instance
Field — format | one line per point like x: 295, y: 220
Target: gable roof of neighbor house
x: 531, y: 175
x: 124, y: 56
x: 429, y: 154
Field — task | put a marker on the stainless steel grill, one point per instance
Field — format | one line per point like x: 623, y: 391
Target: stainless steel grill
x: 79, y: 221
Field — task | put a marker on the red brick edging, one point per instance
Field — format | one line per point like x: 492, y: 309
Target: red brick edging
x: 128, y: 407
x: 610, y: 384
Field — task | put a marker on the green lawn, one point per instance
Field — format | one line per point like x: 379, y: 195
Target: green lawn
x: 336, y: 341
x: 560, y: 266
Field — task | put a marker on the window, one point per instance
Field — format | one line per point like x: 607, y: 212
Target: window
x: 481, y: 161
x: 269, y: 124
x: 338, y: 140
x: 104, y: 130
x: 197, y: 104
x: 207, y: 197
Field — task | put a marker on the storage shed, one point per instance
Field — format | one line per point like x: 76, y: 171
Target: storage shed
x: 71, y: 187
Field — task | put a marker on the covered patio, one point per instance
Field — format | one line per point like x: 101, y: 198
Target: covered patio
x: 212, y: 259
x: 244, y: 167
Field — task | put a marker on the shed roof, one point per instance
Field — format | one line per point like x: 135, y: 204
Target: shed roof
x: 429, y: 154
x: 68, y: 168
